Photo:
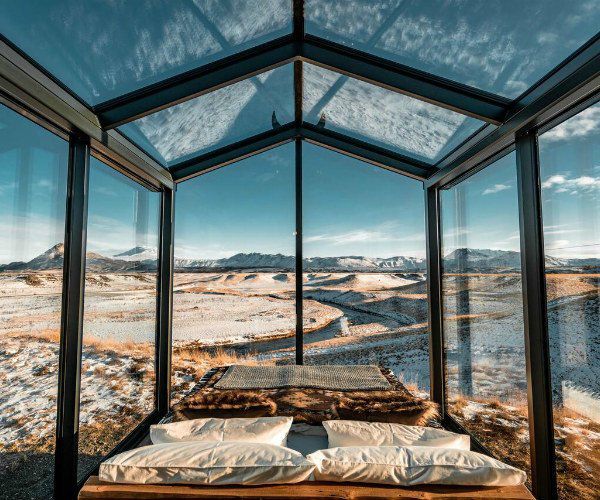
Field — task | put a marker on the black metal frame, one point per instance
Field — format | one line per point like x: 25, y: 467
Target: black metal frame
x: 71, y: 332
x: 164, y: 299
x: 537, y: 350
x: 434, y: 297
x: 31, y: 91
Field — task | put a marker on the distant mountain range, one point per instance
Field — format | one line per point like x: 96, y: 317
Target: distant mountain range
x: 145, y: 259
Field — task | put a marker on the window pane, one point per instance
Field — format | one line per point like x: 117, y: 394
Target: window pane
x: 382, y: 117
x: 501, y: 46
x: 102, y: 50
x: 365, y: 293
x: 484, y: 347
x: 214, y: 120
x: 570, y: 171
x: 33, y: 181
x: 119, y: 328
x: 234, y: 299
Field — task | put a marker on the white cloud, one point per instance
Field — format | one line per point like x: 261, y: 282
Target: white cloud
x: 496, y: 188
x: 581, y: 125
x: 563, y: 183
x: 381, y: 234
x: 349, y: 237
x: 561, y: 231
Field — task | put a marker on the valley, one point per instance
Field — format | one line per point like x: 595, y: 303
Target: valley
x: 356, y: 310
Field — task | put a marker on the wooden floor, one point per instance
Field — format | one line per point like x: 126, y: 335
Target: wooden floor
x: 94, y: 489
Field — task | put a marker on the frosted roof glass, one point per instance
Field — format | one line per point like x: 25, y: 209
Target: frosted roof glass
x: 103, y: 49
x: 388, y: 119
x: 218, y: 118
x: 500, y: 46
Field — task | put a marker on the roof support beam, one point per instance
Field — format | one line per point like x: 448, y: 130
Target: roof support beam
x: 344, y: 60
x: 405, y: 80
x: 365, y: 152
x: 576, y: 80
x: 197, y: 82
x: 234, y: 152
x: 311, y: 133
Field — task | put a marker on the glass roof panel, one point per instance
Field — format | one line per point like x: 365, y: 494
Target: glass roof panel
x: 382, y: 117
x: 218, y: 118
x: 500, y: 46
x: 103, y: 49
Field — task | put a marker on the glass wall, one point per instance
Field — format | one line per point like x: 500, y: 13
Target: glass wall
x: 234, y: 284
x: 486, y: 385
x: 33, y: 181
x: 365, y: 293
x: 570, y: 174
x: 117, y: 370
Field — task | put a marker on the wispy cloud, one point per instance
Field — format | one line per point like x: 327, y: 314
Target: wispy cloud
x: 580, y: 125
x: 385, y: 232
x: 496, y: 188
x: 562, y: 183
x: 359, y: 235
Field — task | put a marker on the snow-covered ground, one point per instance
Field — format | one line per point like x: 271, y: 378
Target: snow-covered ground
x: 249, y: 317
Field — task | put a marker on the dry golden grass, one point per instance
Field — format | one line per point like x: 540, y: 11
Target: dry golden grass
x: 565, y: 285
x: 50, y: 335
x: 577, y: 452
x: 144, y: 350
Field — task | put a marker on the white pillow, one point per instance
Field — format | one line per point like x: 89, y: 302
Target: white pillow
x: 356, y: 433
x: 412, y: 465
x: 271, y: 430
x: 197, y: 462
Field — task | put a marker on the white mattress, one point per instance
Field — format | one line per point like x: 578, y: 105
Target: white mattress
x: 306, y: 438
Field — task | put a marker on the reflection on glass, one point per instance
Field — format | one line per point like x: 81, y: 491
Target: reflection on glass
x: 382, y: 117
x: 102, y: 50
x: 570, y: 172
x: 234, y: 284
x: 484, y: 347
x: 502, y: 47
x: 218, y: 118
x: 33, y: 181
x: 365, y: 292
x: 119, y: 328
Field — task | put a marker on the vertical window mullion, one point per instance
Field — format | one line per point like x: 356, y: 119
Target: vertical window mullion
x: 165, y: 302
x: 67, y: 426
x: 535, y: 319
x: 434, y: 297
x: 299, y: 257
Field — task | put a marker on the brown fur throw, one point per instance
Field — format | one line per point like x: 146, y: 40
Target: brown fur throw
x: 378, y: 408
x: 307, y: 405
x: 224, y: 405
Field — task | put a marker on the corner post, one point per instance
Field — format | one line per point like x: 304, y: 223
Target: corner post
x: 434, y: 296
x: 539, y: 389
x: 71, y: 329
x: 298, y: 12
x: 165, y: 302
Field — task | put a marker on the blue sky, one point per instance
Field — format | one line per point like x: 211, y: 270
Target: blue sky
x: 490, y: 217
x: 121, y: 213
x: 350, y: 208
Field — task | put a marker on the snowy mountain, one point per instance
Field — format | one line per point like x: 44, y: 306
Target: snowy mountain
x: 53, y: 258
x: 288, y: 262
x: 139, y: 254
x: 145, y: 259
x: 471, y: 260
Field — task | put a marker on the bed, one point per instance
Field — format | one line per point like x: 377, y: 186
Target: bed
x: 95, y: 489
x: 310, y: 403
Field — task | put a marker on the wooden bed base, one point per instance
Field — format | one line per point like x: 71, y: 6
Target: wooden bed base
x: 95, y: 489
